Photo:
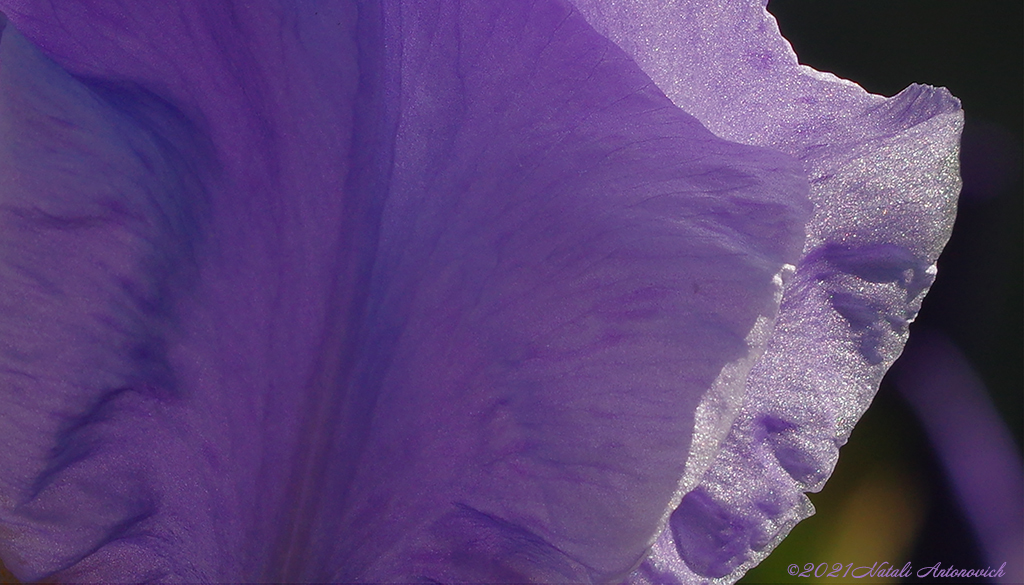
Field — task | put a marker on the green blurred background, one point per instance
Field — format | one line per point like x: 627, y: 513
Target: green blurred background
x: 889, y: 498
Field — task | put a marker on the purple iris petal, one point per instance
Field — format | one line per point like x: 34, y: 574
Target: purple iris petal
x: 884, y: 180
x: 449, y: 322
x: 435, y: 291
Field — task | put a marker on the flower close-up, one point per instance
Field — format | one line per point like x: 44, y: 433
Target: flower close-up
x: 441, y: 290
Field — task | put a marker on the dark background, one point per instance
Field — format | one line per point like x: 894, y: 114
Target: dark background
x: 889, y: 485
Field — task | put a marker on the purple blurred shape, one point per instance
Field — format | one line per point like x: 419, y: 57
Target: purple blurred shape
x: 990, y: 161
x: 975, y: 447
x: 451, y: 291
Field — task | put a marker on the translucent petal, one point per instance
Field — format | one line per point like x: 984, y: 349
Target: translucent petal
x: 388, y: 293
x: 884, y: 180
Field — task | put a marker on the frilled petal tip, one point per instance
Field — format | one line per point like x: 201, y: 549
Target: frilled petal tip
x: 438, y: 291
x: 884, y: 182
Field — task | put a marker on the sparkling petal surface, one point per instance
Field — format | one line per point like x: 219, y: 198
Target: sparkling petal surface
x: 376, y: 292
x: 884, y: 180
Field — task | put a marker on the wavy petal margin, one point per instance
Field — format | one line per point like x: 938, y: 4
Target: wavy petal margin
x: 338, y: 292
x: 884, y: 181
x: 383, y: 292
